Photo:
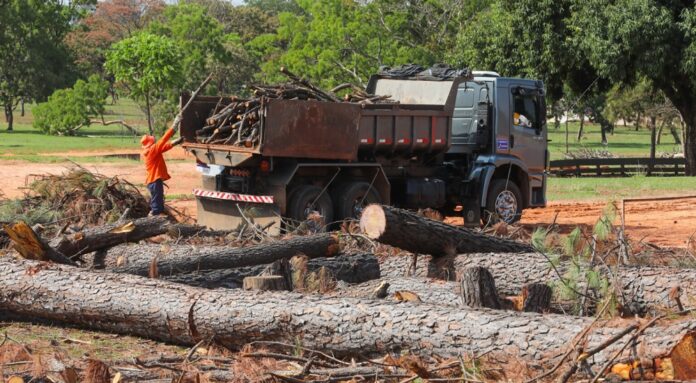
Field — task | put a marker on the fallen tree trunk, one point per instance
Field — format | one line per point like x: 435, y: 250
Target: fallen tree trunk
x: 185, y: 315
x: 104, y: 237
x: 649, y: 284
x: 356, y: 268
x: 315, y: 246
x: 417, y: 234
x: 143, y: 252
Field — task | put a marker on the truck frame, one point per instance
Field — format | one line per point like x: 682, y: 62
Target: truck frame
x: 455, y: 145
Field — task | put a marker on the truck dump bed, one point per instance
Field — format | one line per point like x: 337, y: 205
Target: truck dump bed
x: 420, y: 122
x: 289, y: 128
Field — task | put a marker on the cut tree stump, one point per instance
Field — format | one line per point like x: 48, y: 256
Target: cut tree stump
x: 104, y: 237
x: 185, y: 315
x: 354, y: 268
x: 314, y: 246
x: 536, y: 297
x: 478, y: 288
x: 265, y: 283
x: 417, y: 234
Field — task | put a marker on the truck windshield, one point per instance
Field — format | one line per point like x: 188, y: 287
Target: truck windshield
x: 414, y: 91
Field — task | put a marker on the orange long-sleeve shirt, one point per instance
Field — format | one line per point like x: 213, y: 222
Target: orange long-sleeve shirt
x: 154, y: 162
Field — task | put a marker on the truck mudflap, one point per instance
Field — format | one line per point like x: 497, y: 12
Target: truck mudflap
x: 229, y: 211
x: 233, y: 196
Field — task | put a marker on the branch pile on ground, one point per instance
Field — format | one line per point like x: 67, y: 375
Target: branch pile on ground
x: 186, y: 315
x: 237, y: 121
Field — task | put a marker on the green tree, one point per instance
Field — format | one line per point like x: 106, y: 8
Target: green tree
x: 149, y: 66
x: 33, y: 58
x: 68, y: 110
x: 628, y: 39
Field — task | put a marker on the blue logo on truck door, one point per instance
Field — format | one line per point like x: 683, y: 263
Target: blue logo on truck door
x: 502, y: 144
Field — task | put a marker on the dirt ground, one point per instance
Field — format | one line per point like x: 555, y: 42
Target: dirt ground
x: 662, y: 223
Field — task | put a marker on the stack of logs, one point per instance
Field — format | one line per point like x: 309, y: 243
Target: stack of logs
x: 239, y: 122
x: 186, y: 295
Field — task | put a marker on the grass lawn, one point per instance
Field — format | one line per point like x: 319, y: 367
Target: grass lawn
x: 26, y: 143
x: 625, y: 142
x: 616, y: 188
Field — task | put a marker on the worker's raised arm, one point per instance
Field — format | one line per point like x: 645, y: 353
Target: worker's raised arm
x: 163, y: 144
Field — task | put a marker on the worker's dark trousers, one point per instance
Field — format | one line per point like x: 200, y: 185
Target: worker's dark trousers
x: 156, y: 197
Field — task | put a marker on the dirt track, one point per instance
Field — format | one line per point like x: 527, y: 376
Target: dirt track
x: 663, y: 223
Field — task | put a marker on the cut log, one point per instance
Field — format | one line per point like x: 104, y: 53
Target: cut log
x: 649, y: 285
x: 478, y: 288
x: 417, y: 234
x: 265, y: 283
x: 536, y: 298
x: 315, y: 246
x: 104, y: 237
x: 344, y: 326
x: 355, y: 268
x: 30, y: 246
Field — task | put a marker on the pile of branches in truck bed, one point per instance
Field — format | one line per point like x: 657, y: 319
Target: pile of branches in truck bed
x: 238, y: 123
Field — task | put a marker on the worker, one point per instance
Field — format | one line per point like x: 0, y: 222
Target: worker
x: 520, y: 120
x: 156, y: 167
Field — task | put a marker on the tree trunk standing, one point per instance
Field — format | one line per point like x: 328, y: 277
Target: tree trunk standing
x: 567, y: 133
x: 22, y: 106
x: 149, y: 113
x: 675, y: 134
x: 9, y: 117
x: 653, y: 140
x: 659, y: 133
x: 582, y: 126
x: 690, y: 148
x: 345, y: 326
x: 637, y: 124
x: 603, y: 128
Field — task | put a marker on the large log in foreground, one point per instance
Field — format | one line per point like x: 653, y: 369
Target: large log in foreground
x: 315, y: 246
x: 417, y: 234
x: 649, y: 284
x: 185, y: 315
x: 104, y: 237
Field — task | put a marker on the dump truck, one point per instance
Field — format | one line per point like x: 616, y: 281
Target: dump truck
x: 474, y: 145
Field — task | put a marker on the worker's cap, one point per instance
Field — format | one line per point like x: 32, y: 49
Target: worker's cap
x: 147, y: 140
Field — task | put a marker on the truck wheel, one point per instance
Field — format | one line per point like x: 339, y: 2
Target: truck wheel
x: 352, y: 198
x: 504, y: 202
x: 303, y: 200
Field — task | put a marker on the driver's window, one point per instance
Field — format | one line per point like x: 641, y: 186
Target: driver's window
x: 525, y: 111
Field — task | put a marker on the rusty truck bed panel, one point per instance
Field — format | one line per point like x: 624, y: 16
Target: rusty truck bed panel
x: 311, y: 129
x: 289, y: 128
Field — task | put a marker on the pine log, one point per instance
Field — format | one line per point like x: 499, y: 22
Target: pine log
x: 417, y: 234
x: 265, y: 283
x: 356, y: 268
x: 650, y: 285
x: 345, y: 326
x: 30, y: 246
x: 104, y: 237
x: 315, y: 246
x: 478, y: 288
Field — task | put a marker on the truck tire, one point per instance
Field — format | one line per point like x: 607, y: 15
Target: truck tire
x: 504, y: 202
x: 351, y: 198
x: 301, y: 199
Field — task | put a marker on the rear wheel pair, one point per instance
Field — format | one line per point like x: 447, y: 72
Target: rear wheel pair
x: 346, y: 201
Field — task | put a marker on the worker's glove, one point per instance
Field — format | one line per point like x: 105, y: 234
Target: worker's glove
x: 178, y: 141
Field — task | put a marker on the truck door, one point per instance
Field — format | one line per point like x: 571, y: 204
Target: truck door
x: 464, y: 119
x: 528, y: 127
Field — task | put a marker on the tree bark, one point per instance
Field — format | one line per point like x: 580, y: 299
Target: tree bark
x: 265, y: 283
x: 104, y: 237
x: 345, y: 326
x: 536, y: 298
x: 478, y: 288
x: 356, y: 268
x: 315, y: 246
x: 511, y: 272
x: 9, y: 116
x: 417, y: 234
x: 582, y: 126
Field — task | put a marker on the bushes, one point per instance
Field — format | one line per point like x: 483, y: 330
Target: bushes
x: 67, y: 110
